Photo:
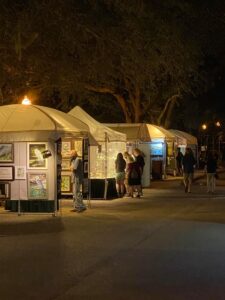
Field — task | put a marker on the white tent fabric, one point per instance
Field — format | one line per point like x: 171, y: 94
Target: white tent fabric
x: 134, y: 132
x: 20, y: 122
x: 98, y: 130
x: 142, y: 132
x: 190, y: 139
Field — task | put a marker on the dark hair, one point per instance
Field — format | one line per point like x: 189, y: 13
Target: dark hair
x: 119, y: 156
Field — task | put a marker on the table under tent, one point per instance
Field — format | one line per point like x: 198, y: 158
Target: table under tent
x: 30, y: 155
x: 103, y: 156
x: 155, y: 142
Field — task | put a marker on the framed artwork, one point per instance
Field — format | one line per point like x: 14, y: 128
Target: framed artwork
x: 6, y: 153
x: 20, y: 172
x: 35, y: 157
x: 66, y: 185
x: 66, y: 148
x: 65, y: 164
x: 78, y: 144
x: 7, y: 173
x: 37, y: 186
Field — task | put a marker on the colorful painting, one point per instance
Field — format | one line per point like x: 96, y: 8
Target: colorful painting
x: 37, y: 186
x: 35, y: 156
x: 66, y: 186
x: 6, y: 153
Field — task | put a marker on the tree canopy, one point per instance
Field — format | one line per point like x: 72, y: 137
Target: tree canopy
x: 144, y: 57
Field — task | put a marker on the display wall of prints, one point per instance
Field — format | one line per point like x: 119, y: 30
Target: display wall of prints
x: 20, y: 172
x: 6, y: 173
x: 37, y: 186
x: 66, y: 149
x: 6, y: 153
x: 34, y: 156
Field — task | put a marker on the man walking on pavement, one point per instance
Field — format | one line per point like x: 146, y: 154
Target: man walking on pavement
x: 188, y: 164
x: 77, y: 178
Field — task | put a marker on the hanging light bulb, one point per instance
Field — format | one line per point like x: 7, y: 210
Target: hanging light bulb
x: 26, y: 101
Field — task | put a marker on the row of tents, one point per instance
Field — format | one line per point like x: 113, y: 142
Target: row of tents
x: 29, y: 132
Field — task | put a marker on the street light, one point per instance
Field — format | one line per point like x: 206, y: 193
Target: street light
x: 26, y: 101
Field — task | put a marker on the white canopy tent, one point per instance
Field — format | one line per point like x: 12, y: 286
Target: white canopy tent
x: 23, y: 127
x: 111, y: 142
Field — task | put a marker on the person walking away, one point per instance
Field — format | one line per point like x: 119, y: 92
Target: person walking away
x: 139, y: 157
x: 179, y: 159
x: 211, y: 166
x: 120, y: 166
x: 134, y: 178
x: 77, y: 178
x: 188, y: 164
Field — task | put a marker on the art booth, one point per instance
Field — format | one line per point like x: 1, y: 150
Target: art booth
x: 162, y: 149
x: 30, y: 155
x: 137, y: 137
x: 184, y: 139
x: 155, y: 142
x: 102, y: 156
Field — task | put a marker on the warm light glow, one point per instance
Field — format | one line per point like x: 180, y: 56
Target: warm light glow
x: 204, y: 126
x: 218, y: 124
x: 26, y: 101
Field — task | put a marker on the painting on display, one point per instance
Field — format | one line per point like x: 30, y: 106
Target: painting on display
x: 66, y: 185
x: 20, y: 172
x: 66, y: 149
x: 6, y: 173
x: 6, y: 153
x: 78, y: 147
x: 65, y: 164
x: 37, y: 186
x: 35, y: 157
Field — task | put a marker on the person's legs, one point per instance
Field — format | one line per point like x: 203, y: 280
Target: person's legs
x: 186, y: 181
x: 190, y: 179
x: 77, y: 195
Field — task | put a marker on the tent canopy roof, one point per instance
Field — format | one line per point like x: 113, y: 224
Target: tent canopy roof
x: 98, y: 130
x: 142, y: 132
x: 20, y: 122
x: 190, y: 139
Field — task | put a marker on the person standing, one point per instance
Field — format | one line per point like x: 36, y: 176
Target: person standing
x: 129, y: 159
x: 77, y: 178
x: 139, y: 157
x: 134, y: 178
x: 211, y: 166
x: 188, y: 164
x: 120, y: 166
x: 179, y: 159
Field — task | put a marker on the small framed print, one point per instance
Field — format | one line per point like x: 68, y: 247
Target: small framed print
x: 66, y: 149
x: 66, y: 185
x: 7, y: 173
x: 78, y: 145
x: 37, y: 186
x: 20, y: 172
x: 65, y: 164
x: 35, y: 157
x: 6, y: 153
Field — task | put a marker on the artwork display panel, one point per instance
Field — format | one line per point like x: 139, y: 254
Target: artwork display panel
x: 78, y: 145
x: 37, y: 186
x: 35, y: 157
x: 6, y: 153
